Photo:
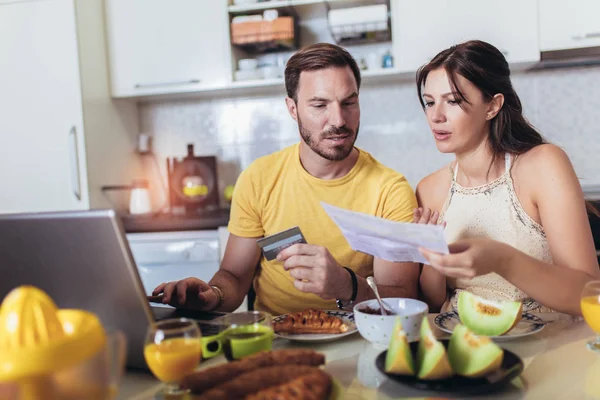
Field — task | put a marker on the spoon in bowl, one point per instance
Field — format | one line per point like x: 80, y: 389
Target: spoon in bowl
x: 373, y: 284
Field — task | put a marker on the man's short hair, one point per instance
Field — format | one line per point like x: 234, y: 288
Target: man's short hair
x: 314, y: 57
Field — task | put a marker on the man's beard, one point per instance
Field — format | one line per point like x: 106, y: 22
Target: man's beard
x: 338, y: 153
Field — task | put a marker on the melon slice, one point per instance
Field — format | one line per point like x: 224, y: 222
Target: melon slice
x: 432, y: 360
x: 472, y: 355
x: 487, y: 317
x: 398, y: 359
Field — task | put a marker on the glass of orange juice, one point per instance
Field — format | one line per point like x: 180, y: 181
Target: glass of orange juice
x: 590, y: 308
x: 172, y: 350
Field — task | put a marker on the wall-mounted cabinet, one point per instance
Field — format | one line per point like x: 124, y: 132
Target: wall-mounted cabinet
x: 161, y: 49
x: 421, y: 30
x: 42, y: 150
x: 163, y: 46
x: 571, y: 25
x: 62, y: 137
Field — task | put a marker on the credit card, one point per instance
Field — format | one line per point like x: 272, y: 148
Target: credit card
x: 273, y: 244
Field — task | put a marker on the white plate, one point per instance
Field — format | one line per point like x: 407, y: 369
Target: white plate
x: 346, y: 316
x: 529, y: 325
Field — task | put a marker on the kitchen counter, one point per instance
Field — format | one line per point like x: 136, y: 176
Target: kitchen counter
x: 591, y: 190
x: 557, y: 366
x: 169, y: 222
x: 220, y: 217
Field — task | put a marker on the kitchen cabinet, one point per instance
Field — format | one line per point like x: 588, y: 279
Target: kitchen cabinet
x: 42, y: 152
x: 421, y: 30
x: 164, y: 46
x: 53, y: 108
x: 161, y: 49
x: 571, y: 25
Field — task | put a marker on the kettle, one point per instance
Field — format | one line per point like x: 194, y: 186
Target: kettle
x: 50, y: 353
x: 139, y: 198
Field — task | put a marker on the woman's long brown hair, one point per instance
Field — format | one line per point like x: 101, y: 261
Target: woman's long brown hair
x: 485, y: 66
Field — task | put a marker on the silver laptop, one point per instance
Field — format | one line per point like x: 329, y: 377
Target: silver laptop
x: 82, y: 260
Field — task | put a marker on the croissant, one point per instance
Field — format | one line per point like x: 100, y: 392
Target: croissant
x: 310, y: 321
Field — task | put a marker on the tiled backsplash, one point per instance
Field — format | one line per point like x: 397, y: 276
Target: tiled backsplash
x: 563, y: 104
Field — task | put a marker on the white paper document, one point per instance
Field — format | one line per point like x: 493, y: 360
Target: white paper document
x: 385, y: 239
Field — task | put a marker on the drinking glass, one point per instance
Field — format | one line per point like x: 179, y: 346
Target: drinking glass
x: 246, y: 333
x: 173, y: 350
x: 590, y: 308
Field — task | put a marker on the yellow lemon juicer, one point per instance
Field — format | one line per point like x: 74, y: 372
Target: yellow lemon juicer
x: 47, y: 353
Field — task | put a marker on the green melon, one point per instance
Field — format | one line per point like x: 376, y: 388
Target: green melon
x: 487, y: 317
x: 432, y: 360
x: 472, y: 355
x: 398, y: 359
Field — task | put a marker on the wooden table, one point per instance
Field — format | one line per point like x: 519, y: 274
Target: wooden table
x: 557, y: 366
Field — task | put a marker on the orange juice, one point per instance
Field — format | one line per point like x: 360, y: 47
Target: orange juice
x: 590, y: 308
x: 173, y: 359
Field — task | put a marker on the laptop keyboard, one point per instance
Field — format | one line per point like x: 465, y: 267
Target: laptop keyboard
x: 203, y: 319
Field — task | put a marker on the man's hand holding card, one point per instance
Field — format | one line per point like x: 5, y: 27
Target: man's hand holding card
x: 313, y: 267
x: 273, y: 244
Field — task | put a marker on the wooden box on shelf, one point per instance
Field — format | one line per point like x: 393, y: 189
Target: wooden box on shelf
x: 277, y: 33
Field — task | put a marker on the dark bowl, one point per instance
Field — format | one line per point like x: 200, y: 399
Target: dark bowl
x: 512, y: 367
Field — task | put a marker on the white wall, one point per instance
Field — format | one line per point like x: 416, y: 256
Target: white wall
x: 110, y: 127
x: 563, y: 104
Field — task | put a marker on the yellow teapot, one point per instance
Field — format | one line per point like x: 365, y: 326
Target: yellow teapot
x: 47, y: 353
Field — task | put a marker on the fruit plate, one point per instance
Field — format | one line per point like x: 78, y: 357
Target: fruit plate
x: 346, y: 316
x: 511, y: 367
x: 528, y: 325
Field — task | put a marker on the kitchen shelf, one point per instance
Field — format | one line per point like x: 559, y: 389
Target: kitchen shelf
x: 366, y: 75
x: 591, y: 190
x: 275, y: 4
x: 264, y: 86
x: 352, y: 34
x: 255, y: 83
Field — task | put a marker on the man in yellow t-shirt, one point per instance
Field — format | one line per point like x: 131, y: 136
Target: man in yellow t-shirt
x: 285, y: 189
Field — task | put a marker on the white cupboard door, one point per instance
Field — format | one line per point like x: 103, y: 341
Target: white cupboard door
x: 420, y: 31
x: 510, y: 25
x: 167, y: 46
x: 423, y: 29
x: 41, y: 129
x: 569, y: 25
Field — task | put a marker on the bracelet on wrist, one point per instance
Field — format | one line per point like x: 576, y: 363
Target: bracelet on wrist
x: 219, y: 293
x: 341, y: 304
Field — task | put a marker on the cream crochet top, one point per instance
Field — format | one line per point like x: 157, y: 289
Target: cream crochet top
x: 493, y: 211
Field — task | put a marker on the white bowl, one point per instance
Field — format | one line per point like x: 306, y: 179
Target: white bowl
x: 269, y: 71
x: 247, y: 75
x: 377, y: 329
x: 247, y: 64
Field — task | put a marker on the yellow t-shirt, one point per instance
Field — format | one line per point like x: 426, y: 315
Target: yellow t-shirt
x: 276, y: 193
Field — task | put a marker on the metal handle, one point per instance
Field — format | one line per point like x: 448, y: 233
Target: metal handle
x: 74, y: 158
x: 159, y: 84
x: 590, y: 35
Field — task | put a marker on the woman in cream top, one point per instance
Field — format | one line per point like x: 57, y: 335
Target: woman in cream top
x: 513, y: 209
x: 492, y: 210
